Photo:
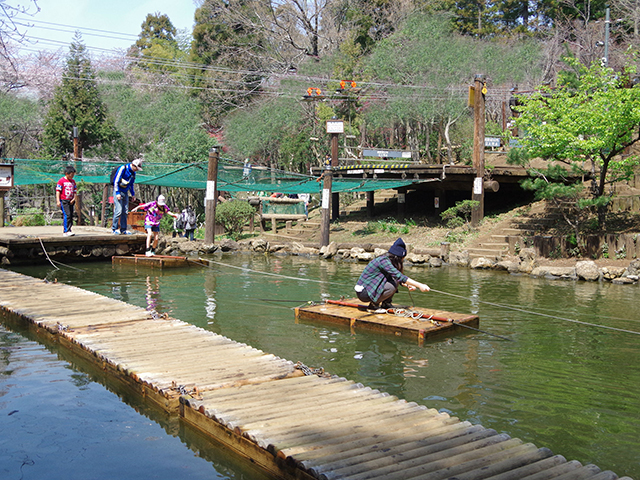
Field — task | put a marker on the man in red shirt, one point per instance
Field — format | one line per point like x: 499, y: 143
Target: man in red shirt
x: 66, y: 198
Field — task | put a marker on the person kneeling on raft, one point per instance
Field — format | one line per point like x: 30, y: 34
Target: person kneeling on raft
x: 380, y: 278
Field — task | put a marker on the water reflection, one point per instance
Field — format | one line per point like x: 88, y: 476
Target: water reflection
x: 535, y: 388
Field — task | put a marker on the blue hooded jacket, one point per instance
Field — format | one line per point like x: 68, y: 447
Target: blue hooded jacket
x: 124, y: 180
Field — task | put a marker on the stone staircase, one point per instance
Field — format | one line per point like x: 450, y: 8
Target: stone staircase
x: 501, y: 239
x: 310, y: 229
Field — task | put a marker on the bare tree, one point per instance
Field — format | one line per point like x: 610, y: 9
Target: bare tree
x: 9, y: 33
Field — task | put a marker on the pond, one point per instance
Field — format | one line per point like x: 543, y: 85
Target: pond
x: 568, y: 380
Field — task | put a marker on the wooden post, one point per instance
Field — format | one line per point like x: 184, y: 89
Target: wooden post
x: 211, y: 197
x: 326, y: 200
x: 105, y: 199
x: 334, y: 127
x: 478, y: 149
x: 402, y: 198
x: 370, y: 204
x: 335, y: 197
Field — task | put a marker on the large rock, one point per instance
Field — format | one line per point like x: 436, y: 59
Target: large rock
x: 609, y: 273
x: 510, y: 266
x: 435, y: 262
x: 528, y: 260
x: 228, y: 245
x: 482, y: 263
x: 634, y: 268
x: 587, y: 270
x: 459, y: 259
x: 379, y: 251
x: 560, y: 272
x: 259, y: 245
x: 364, y: 256
x: 416, y: 259
x: 328, y: 251
x: 624, y: 280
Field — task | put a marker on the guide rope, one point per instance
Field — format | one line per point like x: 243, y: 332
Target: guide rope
x: 507, y: 307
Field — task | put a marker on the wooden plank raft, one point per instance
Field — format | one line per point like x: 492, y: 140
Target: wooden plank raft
x: 293, y: 426
x: 414, y: 323
x: 156, y: 261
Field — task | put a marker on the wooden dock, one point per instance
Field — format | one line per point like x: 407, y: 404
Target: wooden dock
x: 293, y: 426
x: 414, y: 323
x: 44, y: 244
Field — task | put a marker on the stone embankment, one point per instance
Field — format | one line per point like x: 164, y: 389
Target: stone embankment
x: 525, y: 263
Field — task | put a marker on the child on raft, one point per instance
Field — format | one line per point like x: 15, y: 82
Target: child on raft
x: 155, y: 211
x: 380, y: 279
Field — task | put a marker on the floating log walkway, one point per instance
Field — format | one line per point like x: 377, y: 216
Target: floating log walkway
x: 414, y: 323
x: 293, y: 426
x: 156, y: 261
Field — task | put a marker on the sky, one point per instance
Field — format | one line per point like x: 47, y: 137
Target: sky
x: 105, y: 24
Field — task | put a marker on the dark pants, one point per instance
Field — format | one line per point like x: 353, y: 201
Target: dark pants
x: 189, y: 234
x: 387, y: 295
x: 67, y: 215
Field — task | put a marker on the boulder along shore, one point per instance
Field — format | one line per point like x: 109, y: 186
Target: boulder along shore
x: 617, y: 271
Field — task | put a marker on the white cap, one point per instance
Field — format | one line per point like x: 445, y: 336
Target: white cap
x: 161, y: 200
x: 137, y: 163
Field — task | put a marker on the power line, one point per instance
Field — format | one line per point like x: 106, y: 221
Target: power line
x: 110, y: 32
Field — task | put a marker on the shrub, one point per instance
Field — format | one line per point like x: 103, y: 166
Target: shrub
x: 233, y: 215
x: 459, y: 214
x: 29, y: 220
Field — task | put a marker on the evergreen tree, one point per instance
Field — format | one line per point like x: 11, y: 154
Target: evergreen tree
x: 156, y: 27
x: 76, y: 103
x: 157, y: 47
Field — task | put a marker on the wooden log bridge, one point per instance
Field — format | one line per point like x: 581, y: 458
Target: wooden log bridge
x: 293, y: 426
x: 414, y: 323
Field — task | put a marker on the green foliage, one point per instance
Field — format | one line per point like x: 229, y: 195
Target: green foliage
x: 29, y: 218
x: 594, y: 122
x: 259, y: 131
x: 20, y: 124
x: 77, y: 103
x: 156, y: 27
x: 459, y: 214
x: 233, y: 215
x: 162, y: 124
x: 227, y: 37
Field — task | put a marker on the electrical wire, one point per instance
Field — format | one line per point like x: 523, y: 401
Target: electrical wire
x: 529, y: 312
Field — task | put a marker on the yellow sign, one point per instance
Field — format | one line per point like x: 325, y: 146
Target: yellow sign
x: 472, y: 96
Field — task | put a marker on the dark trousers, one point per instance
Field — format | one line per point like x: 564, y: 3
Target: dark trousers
x: 389, y: 291
x: 67, y: 215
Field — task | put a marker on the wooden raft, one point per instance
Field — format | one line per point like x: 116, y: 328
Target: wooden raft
x: 426, y: 323
x: 156, y: 261
x: 293, y: 426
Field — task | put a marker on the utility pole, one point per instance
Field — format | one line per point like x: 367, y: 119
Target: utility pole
x: 334, y: 128
x: 479, y: 89
x: 211, y: 197
x: 77, y: 156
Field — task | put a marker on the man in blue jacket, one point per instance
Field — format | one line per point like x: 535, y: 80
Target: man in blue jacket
x: 123, y: 191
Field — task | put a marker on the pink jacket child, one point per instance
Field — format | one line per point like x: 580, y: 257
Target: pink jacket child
x: 155, y: 211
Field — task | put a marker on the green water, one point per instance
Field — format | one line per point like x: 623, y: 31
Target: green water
x: 568, y: 386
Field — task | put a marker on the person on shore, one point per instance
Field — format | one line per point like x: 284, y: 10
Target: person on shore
x: 380, y: 279
x: 305, y: 197
x: 66, y: 198
x: 155, y: 211
x: 190, y: 222
x: 123, y: 190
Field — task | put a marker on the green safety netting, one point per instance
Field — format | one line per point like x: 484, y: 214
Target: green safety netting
x: 232, y: 176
